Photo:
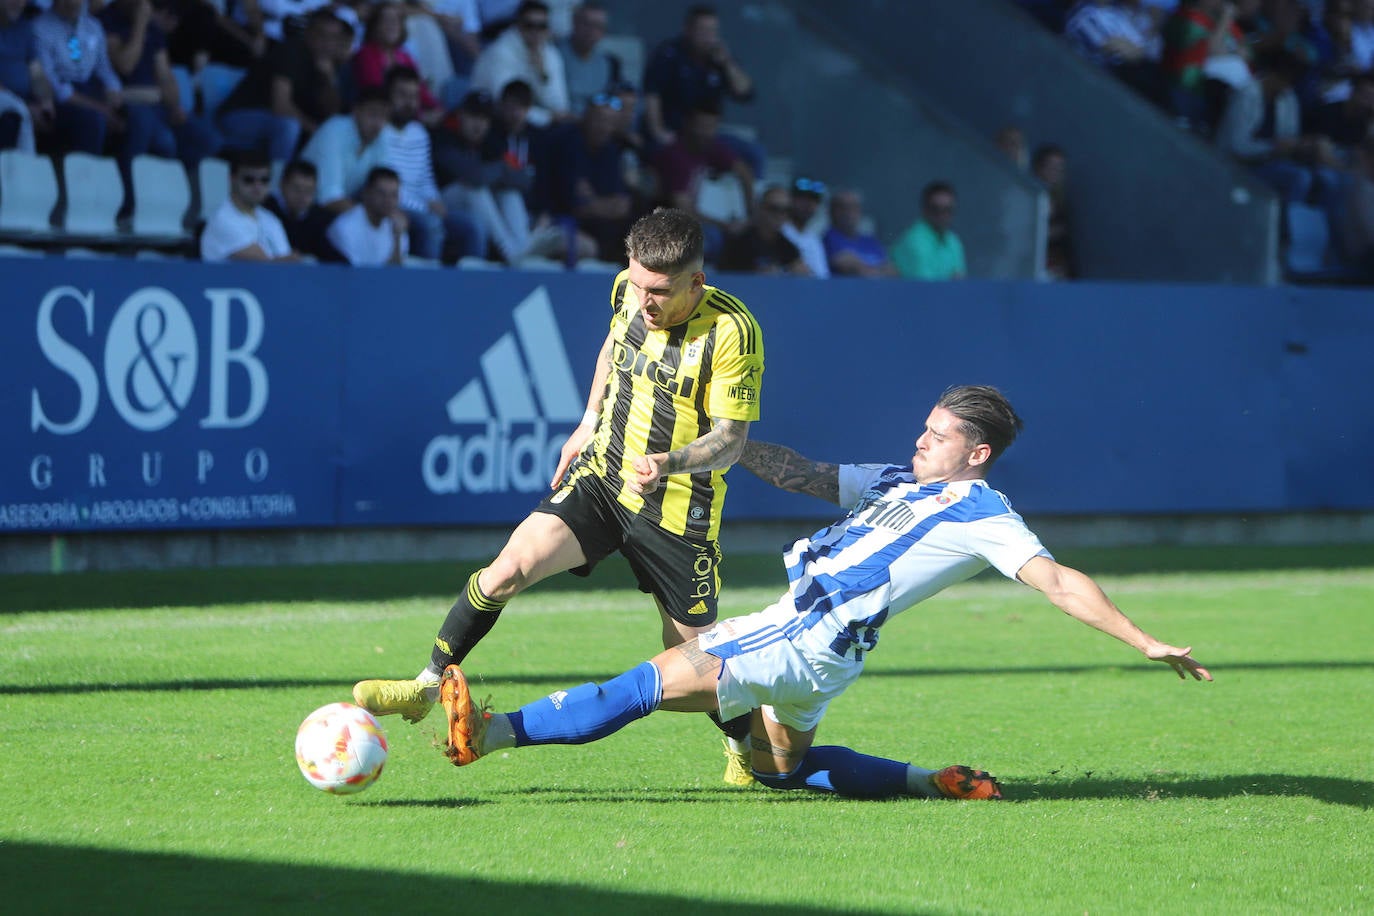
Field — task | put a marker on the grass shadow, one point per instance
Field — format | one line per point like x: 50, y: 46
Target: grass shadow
x: 442, y: 581
x: 42, y: 879
x: 1356, y: 793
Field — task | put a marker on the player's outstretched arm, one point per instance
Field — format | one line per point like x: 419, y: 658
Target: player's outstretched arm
x: 1077, y: 595
x: 791, y: 471
x: 719, y: 448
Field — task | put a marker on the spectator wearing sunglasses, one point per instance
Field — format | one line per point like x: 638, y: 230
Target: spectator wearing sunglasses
x: 931, y: 249
x: 590, y: 70
x: 802, y: 227
x: 762, y: 248
x: 242, y: 229
x: 525, y: 52
x: 75, y: 61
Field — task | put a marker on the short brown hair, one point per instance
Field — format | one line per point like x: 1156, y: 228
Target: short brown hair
x: 666, y: 241
x: 985, y: 416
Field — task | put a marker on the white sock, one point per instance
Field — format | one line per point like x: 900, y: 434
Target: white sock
x: 428, y: 676
x: 918, y: 781
x: 737, y: 746
x: 498, y: 736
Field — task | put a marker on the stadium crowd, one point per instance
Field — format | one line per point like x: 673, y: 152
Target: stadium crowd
x: 1285, y: 87
x: 517, y: 134
x: 510, y: 133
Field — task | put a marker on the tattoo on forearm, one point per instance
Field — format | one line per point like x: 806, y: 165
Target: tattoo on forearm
x: 719, y: 448
x: 788, y: 470
x: 701, y: 662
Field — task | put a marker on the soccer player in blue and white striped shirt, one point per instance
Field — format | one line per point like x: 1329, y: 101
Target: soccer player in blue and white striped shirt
x: 910, y: 533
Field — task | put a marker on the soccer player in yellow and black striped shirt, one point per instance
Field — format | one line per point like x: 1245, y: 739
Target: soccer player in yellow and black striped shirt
x: 676, y: 386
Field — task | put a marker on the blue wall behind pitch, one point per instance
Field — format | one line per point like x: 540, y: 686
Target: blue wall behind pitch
x: 142, y: 395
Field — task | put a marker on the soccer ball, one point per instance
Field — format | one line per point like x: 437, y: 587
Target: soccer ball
x: 340, y: 748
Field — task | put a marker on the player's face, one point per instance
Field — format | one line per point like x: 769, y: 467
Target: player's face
x: 665, y: 300
x: 943, y: 453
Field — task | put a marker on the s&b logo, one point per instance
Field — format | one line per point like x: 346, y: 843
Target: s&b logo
x: 150, y: 361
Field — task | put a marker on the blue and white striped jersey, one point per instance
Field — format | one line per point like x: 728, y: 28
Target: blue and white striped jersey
x: 900, y: 543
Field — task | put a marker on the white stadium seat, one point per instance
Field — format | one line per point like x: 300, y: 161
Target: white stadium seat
x: 94, y: 194
x: 28, y: 193
x: 162, y: 195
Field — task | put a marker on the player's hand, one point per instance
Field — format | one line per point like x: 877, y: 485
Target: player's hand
x: 1180, y: 660
x: 571, y: 449
x: 648, y: 473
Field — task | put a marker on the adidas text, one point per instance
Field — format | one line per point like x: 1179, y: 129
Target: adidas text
x: 498, y: 457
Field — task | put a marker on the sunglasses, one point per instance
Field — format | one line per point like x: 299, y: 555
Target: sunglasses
x: 256, y: 179
x: 606, y: 100
x: 809, y: 186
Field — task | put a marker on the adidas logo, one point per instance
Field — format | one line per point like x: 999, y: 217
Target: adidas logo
x: 526, y: 384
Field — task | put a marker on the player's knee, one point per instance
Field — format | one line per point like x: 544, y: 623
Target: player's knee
x: 792, y: 780
x: 503, y: 579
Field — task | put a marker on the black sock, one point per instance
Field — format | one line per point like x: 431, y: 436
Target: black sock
x: 737, y: 728
x: 471, y: 617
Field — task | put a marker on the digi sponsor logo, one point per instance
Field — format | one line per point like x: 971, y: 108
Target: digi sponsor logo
x: 503, y: 416
x: 663, y: 376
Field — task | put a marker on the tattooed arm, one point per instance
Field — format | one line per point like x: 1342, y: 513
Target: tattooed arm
x: 789, y: 470
x: 719, y: 448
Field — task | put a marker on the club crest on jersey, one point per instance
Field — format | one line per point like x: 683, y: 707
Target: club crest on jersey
x: 946, y: 497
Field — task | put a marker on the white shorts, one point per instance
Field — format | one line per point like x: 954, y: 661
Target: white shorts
x: 791, y: 678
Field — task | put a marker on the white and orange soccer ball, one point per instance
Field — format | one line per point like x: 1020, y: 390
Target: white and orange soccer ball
x: 340, y: 748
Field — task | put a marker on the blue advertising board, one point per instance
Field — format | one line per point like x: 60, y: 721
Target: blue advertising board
x: 151, y: 395
x: 142, y: 396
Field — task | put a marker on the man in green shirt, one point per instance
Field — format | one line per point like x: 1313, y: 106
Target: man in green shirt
x: 930, y: 249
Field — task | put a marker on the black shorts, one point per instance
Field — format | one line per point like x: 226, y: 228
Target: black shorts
x: 681, y: 573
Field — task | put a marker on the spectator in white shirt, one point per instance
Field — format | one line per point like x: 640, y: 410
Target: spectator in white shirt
x: 348, y: 146
x: 524, y: 52
x: 374, y: 233
x: 242, y: 229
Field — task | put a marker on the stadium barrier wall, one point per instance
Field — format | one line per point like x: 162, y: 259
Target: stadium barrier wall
x: 152, y: 396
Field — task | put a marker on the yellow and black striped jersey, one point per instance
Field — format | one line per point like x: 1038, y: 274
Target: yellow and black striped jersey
x: 664, y: 389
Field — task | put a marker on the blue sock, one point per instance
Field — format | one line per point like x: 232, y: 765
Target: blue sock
x: 843, y: 772
x: 590, y: 711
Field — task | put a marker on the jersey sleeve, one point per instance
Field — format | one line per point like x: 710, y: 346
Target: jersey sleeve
x: 856, y: 479
x: 736, y: 368
x: 1005, y: 542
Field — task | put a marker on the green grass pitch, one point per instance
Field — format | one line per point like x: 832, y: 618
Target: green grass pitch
x: 147, y: 720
